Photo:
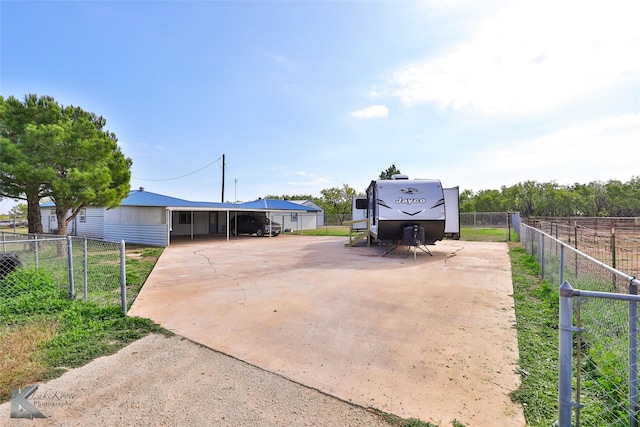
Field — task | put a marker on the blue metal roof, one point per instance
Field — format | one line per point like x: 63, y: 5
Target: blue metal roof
x: 147, y: 198
x: 276, y: 205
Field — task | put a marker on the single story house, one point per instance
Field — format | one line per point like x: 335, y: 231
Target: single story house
x: 153, y: 219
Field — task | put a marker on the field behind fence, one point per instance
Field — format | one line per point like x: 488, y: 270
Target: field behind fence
x: 88, y: 269
x: 614, y: 241
x: 601, y: 357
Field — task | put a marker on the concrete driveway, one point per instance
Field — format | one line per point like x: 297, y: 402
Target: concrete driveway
x: 431, y: 337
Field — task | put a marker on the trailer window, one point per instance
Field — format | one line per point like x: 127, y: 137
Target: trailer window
x: 361, y: 203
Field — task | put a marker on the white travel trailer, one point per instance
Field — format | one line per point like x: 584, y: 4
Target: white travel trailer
x: 390, y: 206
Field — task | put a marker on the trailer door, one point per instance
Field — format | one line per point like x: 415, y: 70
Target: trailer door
x: 452, y: 212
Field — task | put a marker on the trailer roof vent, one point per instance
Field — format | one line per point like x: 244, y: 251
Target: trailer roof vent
x: 399, y: 176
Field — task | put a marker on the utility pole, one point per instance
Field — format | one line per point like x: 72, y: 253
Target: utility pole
x: 222, y: 179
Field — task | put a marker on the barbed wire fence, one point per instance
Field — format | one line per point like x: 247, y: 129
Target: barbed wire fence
x: 88, y: 269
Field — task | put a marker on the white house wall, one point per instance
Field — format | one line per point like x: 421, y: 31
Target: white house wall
x: 200, y: 221
x: 135, y: 215
x: 154, y: 235
x: 88, y: 225
x: 319, y: 214
x: 137, y: 224
x: 91, y: 225
x: 305, y: 221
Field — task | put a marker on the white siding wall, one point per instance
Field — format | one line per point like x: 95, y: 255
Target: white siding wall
x: 143, y: 225
x: 135, y: 215
x: 305, y: 221
x: 93, y: 225
x: 200, y: 223
x: 49, y: 222
x: 155, y: 235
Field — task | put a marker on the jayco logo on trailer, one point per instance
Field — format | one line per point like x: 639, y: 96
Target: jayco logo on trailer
x: 410, y: 201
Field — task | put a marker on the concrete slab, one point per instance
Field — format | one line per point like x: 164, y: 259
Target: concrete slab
x: 430, y: 337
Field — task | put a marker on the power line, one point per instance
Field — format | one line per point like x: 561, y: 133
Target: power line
x: 181, y: 176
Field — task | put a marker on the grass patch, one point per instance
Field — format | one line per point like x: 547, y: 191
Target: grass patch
x: 140, y: 262
x: 486, y: 234
x: 20, y: 361
x: 396, y: 421
x: 466, y: 233
x: 536, y: 307
x: 330, y: 230
x: 43, y: 332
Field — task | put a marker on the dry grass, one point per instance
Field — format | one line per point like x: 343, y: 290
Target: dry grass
x: 19, y: 361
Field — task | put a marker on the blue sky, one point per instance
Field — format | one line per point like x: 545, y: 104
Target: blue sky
x: 306, y: 95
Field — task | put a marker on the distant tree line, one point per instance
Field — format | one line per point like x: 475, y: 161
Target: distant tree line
x: 530, y: 198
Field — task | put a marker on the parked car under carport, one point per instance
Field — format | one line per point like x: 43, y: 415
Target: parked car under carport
x: 254, y: 224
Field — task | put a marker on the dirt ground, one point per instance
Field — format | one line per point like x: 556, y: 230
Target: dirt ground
x: 317, y: 324
x: 159, y: 381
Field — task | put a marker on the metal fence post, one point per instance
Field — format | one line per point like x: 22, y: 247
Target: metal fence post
x: 123, y: 277
x: 542, y: 254
x: 633, y: 357
x: 37, y: 253
x: 565, y: 371
x: 72, y: 290
x: 86, y: 272
x: 561, y: 264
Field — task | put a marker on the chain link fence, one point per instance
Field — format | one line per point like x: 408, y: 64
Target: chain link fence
x: 598, y: 371
x: 88, y: 269
x: 614, y: 241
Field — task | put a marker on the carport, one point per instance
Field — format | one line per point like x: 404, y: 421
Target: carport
x: 209, y: 219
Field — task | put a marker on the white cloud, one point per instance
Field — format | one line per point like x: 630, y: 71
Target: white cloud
x: 531, y: 56
x: 376, y: 93
x: 592, y: 151
x: 375, y: 111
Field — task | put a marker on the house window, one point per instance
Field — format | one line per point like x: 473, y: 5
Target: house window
x: 184, y: 217
x: 294, y: 217
x: 83, y: 215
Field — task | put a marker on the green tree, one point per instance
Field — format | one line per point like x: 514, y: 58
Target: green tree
x: 467, y: 201
x: 21, y: 173
x: 292, y: 197
x: 488, y: 201
x: 337, y: 201
x: 389, y: 172
x: 19, y: 211
x: 73, y: 160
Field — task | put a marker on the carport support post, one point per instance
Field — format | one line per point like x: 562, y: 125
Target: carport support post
x: 123, y: 277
